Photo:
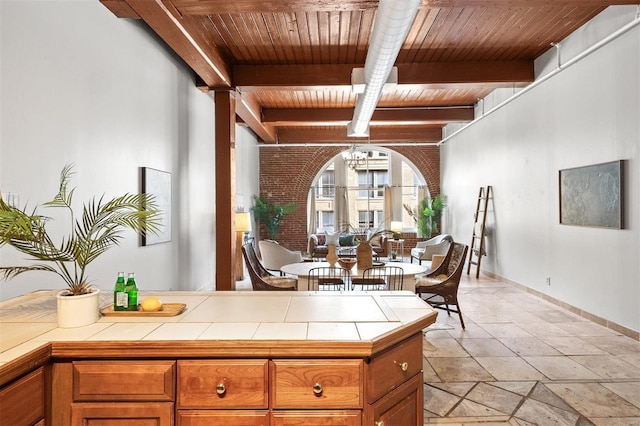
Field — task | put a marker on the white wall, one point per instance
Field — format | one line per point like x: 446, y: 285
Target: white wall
x: 587, y: 114
x: 78, y: 85
x: 247, y: 170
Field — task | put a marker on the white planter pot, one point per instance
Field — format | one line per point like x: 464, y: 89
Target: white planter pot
x: 78, y: 311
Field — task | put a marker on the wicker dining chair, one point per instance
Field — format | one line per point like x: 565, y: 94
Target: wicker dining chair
x: 327, y: 278
x: 440, y: 287
x: 261, y: 279
x: 380, y: 278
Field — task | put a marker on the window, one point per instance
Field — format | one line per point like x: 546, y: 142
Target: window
x: 326, y: 186
x: 325, y: 221
x: 370, y: 218
x: 374, y: 181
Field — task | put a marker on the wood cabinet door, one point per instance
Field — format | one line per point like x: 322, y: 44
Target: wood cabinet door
x: 401, y: 407
x: 222, y: 418
x: 324, y: 383
x: 316, y: 418
x: 123, y: 380
x: 223, y: 384
x: 22, y: 402
x: 122, y: 414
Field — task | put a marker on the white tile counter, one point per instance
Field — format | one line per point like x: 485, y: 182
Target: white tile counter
x: 29, y: 321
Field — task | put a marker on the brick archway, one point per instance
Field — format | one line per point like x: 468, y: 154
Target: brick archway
x: 287, y: 174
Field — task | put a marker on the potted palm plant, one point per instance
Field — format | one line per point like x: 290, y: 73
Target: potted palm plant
x: 99, y: 228
x: 271, y: 215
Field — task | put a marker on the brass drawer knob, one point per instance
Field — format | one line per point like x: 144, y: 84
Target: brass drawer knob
x: 317, y: 389
x: 221, y: 389
x: 404, y: 366
x: 379, y: 423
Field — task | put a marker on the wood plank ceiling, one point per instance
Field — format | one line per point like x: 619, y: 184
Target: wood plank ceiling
x: 289, y: 62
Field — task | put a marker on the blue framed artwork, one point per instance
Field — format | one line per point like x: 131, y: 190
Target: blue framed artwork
x: 593, y: 195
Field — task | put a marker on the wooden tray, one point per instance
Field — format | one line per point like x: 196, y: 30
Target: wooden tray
x: 167, y: 310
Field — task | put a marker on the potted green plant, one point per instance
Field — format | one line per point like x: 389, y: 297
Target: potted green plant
x: 427, y: 215
x: 99, y: 228
x: 271, y: 215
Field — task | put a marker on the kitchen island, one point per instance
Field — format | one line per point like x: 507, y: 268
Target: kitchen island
x: 256, y: 358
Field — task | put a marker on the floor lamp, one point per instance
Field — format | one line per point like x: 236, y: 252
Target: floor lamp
x: 243, y: 224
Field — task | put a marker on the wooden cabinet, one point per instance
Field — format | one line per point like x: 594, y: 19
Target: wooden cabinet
x: 309, y: 383
x: 22, y: 401
x: 223, y: 384
x: 316, y: 418
x: 122, y: 414
x: 402, y: 406
x: 393, y: 367
x: 122, y: 393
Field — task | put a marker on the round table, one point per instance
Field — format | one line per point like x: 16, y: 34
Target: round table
x: 301, y: 270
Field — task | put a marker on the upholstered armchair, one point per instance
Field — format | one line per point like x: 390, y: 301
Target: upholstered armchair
x: 424, y: 250
x: 275, y: 256
x: 261, y: 279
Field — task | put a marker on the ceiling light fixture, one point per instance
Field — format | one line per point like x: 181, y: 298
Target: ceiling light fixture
x: 355, y: 159
x: 392, y: 24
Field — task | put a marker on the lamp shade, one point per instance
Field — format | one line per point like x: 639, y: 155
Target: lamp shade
x: 243, y: 222
x: 396, y: 227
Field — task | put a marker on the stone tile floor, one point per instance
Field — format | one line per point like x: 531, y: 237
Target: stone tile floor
x: 524, y: 361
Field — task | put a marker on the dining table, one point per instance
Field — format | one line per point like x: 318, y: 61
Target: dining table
x: 301, y: 270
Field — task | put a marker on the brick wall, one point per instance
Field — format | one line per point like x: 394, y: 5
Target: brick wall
x: 287, y: 173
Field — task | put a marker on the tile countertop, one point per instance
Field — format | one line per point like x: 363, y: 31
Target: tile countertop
x: 28, y: 322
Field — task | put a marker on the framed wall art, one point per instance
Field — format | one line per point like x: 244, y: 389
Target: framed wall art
x: 158, y: 183
x: 593, y: 195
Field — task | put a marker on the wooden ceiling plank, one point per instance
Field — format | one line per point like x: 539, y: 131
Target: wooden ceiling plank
x: 209, y: 65
x: 250, y: 113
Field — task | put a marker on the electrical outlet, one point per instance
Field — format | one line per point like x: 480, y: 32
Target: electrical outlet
x: 548, y: 280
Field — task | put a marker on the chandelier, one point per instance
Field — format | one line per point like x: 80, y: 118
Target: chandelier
x: 355, y: 159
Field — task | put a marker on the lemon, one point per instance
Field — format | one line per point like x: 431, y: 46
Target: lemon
x: 151, y: 304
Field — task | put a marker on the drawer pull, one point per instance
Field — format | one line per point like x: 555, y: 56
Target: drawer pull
x: 317, y: 389
x: 379, y: 423
x: 221, y: 389
x: 404, y: 366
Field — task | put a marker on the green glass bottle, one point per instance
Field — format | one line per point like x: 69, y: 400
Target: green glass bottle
x: 132, y: 291
x: 120, y: 297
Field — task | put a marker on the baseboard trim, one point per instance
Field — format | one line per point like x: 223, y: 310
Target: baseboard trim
x: 584, y: 314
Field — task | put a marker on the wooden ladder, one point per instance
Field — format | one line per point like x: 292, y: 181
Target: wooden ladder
x: 480, y: 220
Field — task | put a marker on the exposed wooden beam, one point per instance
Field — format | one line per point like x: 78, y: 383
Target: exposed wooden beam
x: 225, y: 189
x: 186, y: 42
x: 318, y: 77
x: 378, y: 134
x: 523, y: 3
x: 214, y: 7
x: 389, y: 116
x: 250, y: 113
x: 120, y: 8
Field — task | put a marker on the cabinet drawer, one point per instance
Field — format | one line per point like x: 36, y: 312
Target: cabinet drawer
x: 223, y: 384
x: 316, y: 418
x: 222, y: 418
x: 317, y: 383
x: 123, y: 380
x: 394, y: 367
x: 122, y: 414
x: 22, y: 402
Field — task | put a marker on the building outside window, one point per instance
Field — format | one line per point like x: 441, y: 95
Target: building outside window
x: 365, y: 185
